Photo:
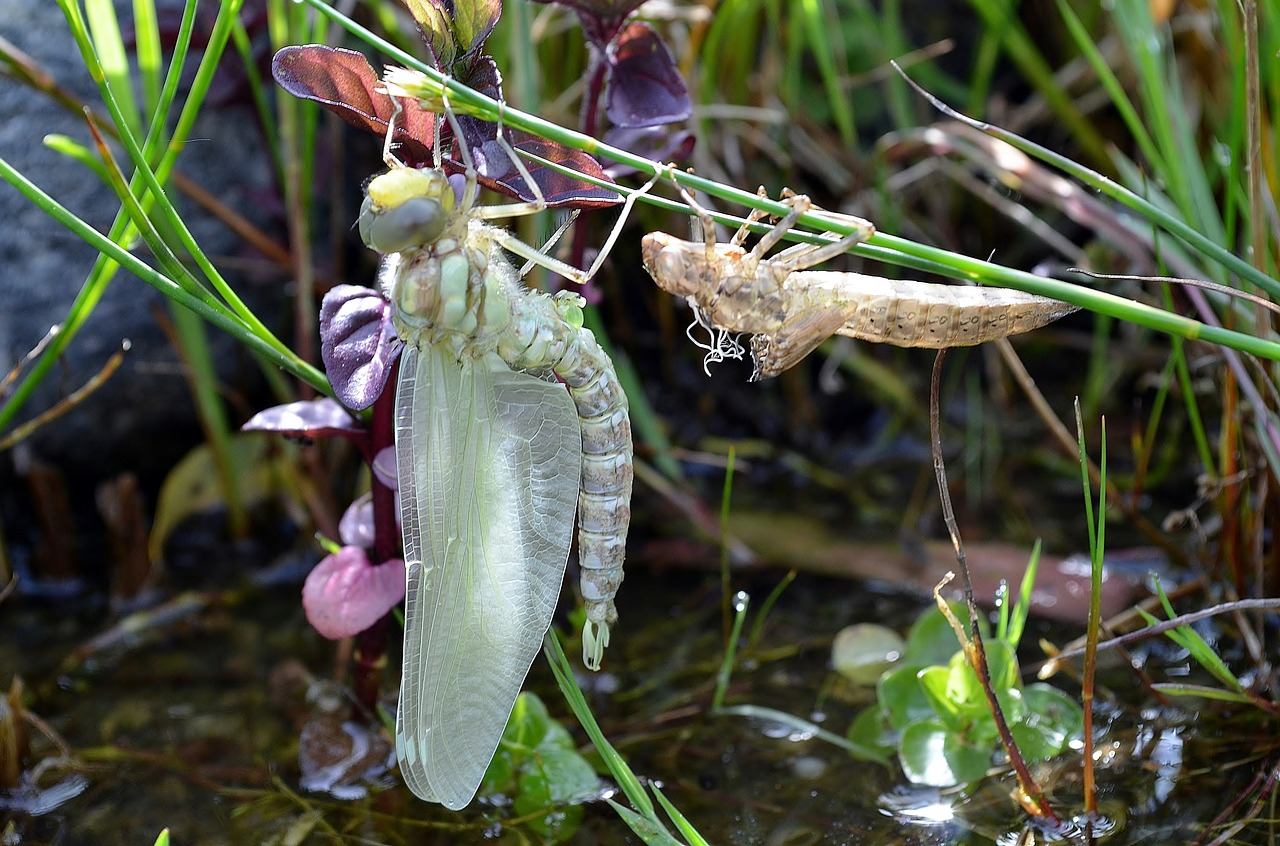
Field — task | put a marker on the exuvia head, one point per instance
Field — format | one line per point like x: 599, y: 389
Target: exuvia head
x: 671, y: 263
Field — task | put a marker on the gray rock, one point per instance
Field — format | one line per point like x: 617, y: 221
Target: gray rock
x: 144, y: 414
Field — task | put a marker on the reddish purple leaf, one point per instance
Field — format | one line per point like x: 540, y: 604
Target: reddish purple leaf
x: 318, y: 418
x: 557, y: 189
x: 346, y: 84
x: 358, y: 343
x: 600, y: 19
x: 645, y: 87
x: 345, y: 594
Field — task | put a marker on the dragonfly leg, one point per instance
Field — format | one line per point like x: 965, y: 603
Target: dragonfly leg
x: 705, y: 220
x: 753, y: 217
x: 472, y: 189
x: 798, y: 204
x: 804, y: 256
x: 387, y: 156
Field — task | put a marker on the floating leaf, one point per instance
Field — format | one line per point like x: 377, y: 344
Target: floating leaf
x: 537, y: 753
x: 901, y: 697
x: 933, y: 756
x: 863, y: 651
x: 870, y: 730
x: 931, y: 639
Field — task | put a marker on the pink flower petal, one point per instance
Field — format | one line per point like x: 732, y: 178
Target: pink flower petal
x: 345, y: 594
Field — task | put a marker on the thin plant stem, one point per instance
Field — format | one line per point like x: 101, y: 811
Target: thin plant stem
x: 1097, y: 534
x: 1031, y: 796
x: 725, y: 495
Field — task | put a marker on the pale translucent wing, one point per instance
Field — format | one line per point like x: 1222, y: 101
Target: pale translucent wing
x: 489, y: 462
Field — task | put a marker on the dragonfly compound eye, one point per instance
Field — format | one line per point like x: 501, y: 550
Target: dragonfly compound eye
x: 413, y: 223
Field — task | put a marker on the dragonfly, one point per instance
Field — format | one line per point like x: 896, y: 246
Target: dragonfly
x: 495, y: 457
x: 789, y: 309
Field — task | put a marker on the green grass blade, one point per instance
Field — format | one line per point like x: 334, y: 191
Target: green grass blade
x: 682, y: 824
x: 741, y: 602
x: 112, y: 69
x: 146, y: 49
x: 819, y: 32
x: 614, y: 762
x: 1000, y: 17
x: 649, y: 831
x: 1022, y: 608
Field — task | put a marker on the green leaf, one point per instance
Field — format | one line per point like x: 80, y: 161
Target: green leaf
x: 1003, y: 664
x: 1036, y: 741
x: 931, y: 640
x: 537, y: 761
x: 937, y: 686
x: 1050, y: 706
x: 962, y: 689
x: 692, y: 835
x: 473, y: 20
x: 870, y: 730
x: 646, y: 829
x: 933, y: 756
x: 900, y: 696
x: 1018, y: 620
x: 862, y: 652
x: 436, y: 27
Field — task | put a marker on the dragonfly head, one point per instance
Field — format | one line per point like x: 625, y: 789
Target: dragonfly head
x: 405, y: 208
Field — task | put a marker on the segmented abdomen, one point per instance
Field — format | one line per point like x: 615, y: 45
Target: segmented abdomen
x: 925, y: 314
x: 604, y: 502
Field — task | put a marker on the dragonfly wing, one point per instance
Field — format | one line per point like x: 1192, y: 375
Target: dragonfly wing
x: 489, y: 463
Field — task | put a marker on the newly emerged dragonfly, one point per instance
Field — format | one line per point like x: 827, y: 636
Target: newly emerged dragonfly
x: 789, y: 310
x: 494, y: 456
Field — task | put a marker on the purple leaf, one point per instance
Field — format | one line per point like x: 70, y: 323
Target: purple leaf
x: 651, y: 142
x: 645, y: 87
x: 344, y: 595
x: 481, y: 73
x: 358, y: 343
x: 346, y: 84
x: 318, y: 418
x: 601, y: 19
